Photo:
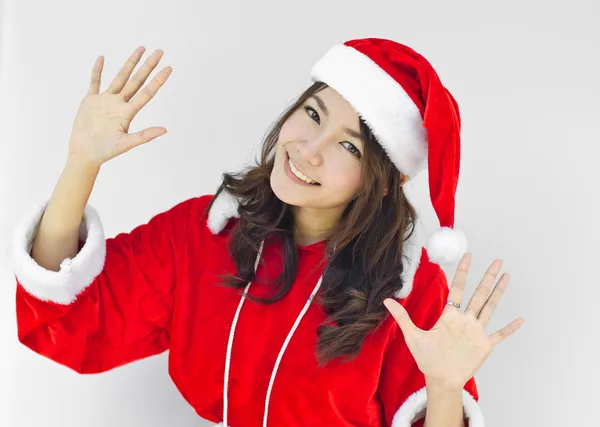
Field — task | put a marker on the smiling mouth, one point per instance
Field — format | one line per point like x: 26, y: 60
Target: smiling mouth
x: 288, y: 160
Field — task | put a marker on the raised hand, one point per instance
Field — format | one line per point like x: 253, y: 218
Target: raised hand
x: 100, y: 129
x: 457, y: 345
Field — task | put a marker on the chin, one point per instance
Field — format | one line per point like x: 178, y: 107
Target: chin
x: 286, y: 191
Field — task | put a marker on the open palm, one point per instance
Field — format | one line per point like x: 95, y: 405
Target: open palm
x: 457, y: 345
x: 100, y: 128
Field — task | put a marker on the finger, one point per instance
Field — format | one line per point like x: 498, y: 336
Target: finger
x: 494, y: 299
x: 94, y: 87
x: 121, y: 78
x: 401, y: 315
x: 128, y: 141
x: 134, y: 84
x: 143, y: 97
x: 499, y: 336
x: 483, y: 289
x: 457, y: 289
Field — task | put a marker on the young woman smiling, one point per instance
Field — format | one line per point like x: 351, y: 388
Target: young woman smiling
x: 274, y: 294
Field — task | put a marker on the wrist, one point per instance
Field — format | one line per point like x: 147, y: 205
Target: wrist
x: 439, y: 385
x: 80, y: 164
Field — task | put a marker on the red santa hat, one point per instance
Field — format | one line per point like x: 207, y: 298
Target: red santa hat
x: 399, y: 95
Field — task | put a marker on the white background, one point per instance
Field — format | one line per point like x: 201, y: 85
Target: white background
x: 525, y: 74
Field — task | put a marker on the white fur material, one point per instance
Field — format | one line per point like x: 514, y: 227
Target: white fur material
x: 63, y: 286
x: 225, y: 207
x: 381, y: 101
x: 412, y: 248
x: 415, y: 406
x: 446, y: 245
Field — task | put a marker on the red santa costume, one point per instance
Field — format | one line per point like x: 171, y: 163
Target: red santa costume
x: 156, y: 288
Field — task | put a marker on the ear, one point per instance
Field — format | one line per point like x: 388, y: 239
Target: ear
x: 403, y: 179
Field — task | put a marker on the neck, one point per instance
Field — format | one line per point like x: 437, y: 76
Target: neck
x: 313, y: 225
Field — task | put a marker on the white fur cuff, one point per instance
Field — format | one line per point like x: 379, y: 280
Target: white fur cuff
x: 63, y: 286
x: 415, y: 406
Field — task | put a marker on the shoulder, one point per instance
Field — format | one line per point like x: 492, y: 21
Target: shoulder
x: 211, y: 213
x: 198, y: 206
x: 189, y: 208
x: 194, y: 211
x: 182, y: 217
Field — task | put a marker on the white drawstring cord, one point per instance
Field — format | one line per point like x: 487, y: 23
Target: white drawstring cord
x: 231, y: 335
x: 279, y: 357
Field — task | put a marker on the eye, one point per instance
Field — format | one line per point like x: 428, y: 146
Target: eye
x: 315, y: 117
x: 310, y: 109
x: 356, y: 150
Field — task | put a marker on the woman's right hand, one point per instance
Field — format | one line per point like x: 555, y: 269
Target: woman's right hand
x: 102, y: 121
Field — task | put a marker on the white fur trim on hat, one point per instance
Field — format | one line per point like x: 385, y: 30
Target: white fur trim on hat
x: 414, y: 408
x: 381, y: 101
x: 63, y: 286
x: 446, y: 245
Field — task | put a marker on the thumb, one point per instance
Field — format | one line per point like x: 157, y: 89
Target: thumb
x: 401, y: 315
x: 143, y: 136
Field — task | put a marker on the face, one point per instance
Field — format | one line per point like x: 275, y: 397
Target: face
x: 322, y: 139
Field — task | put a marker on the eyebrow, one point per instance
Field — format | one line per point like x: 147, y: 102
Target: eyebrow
x: 323, y: 107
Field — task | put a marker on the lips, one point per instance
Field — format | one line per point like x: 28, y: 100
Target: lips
x: 287, y: 166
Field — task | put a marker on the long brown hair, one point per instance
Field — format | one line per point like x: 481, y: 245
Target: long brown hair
x: 363, y: 255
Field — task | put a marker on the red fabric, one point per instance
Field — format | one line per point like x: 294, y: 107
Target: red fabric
x: 438, y: 108
x: 158, y: 290
x: 123, y: 314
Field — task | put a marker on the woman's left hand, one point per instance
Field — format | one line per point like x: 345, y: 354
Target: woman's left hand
x: 457, y: 345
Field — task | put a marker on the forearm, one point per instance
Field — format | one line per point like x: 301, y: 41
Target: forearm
x: 58, y: 234
x: 444, y: 406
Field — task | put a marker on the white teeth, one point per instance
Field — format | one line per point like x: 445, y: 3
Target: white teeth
x: 300, y: 174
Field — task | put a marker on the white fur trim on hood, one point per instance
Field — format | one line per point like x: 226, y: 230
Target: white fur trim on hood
x: 226, y: 206
x: 223, y: 208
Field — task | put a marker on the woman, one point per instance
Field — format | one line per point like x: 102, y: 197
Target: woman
x: 322, y: 214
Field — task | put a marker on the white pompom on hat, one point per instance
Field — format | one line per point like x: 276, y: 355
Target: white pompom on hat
x: 399, y: 95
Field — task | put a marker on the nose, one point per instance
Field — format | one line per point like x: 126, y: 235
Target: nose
x: 312, y: 150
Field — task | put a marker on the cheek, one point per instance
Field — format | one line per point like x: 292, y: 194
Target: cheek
x: 344, y: 176
x: 294, y: 128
